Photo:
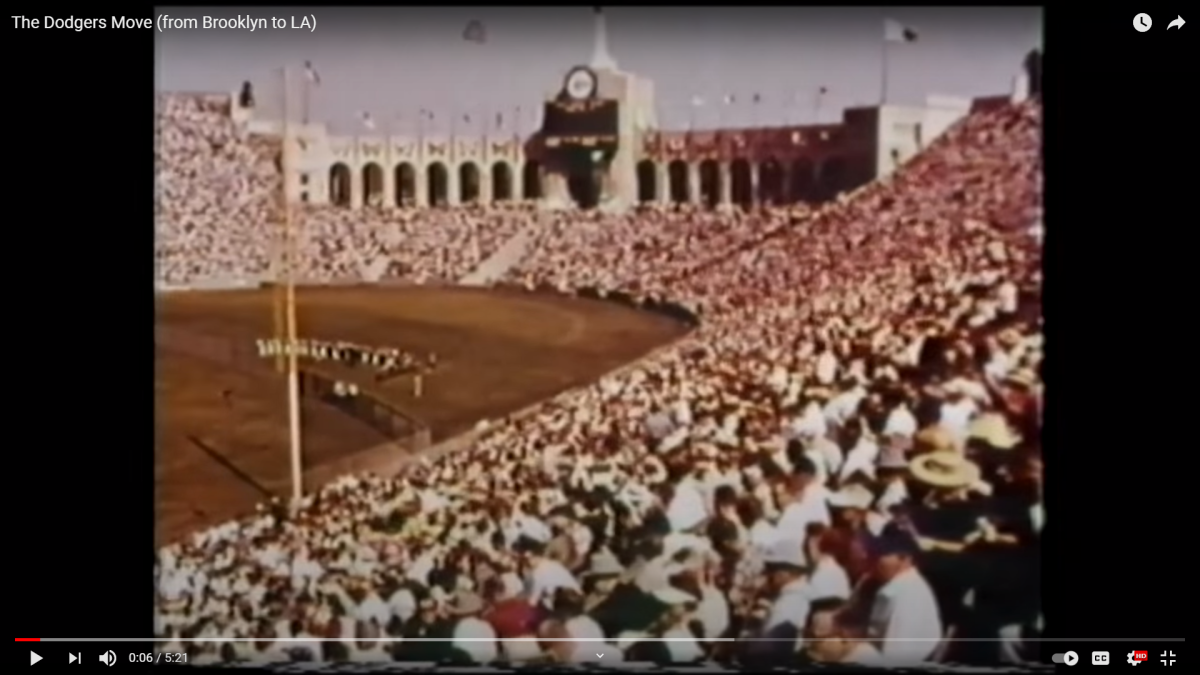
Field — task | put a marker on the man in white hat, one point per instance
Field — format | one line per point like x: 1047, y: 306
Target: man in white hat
x: 786, y: 572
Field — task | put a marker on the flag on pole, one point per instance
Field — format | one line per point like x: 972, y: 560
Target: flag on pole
x: 475, y: 32
x: 822, y: 91
x: 756, y: 99
x: 894, y: 31
x: 499, y: 120
x: 311, y: 73
x: 730, y: 99
x: 368, y: 122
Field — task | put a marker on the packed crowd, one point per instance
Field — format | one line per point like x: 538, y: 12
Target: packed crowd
x: 644, y: 251
x: 218, y: 216
x: 843, y: 459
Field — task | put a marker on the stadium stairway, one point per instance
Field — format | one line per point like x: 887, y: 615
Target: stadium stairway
x: 508, y: 256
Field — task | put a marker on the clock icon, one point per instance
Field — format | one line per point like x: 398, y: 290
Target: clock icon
x: 1141, y: 23
x: 580, y: 83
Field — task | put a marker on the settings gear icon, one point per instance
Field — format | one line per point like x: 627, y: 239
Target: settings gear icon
x: 1132, y: 659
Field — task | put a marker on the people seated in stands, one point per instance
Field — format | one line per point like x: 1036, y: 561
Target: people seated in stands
x: 845, y: 453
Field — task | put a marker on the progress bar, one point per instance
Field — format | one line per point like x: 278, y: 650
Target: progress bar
x: 597, y: 640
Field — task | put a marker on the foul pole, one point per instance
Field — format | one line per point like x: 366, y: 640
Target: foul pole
x: 290, y: 260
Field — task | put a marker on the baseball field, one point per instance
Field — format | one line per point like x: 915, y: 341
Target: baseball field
x: 222, y: 432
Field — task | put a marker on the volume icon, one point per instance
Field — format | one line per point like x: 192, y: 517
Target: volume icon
x: 108, y: 658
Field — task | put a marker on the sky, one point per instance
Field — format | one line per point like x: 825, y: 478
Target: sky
x: 392, y: 62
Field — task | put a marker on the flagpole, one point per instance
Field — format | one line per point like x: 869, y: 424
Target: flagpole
x: 820, y: 98
x: 307, y: 91
x: 883, y: 79
x: 293, y: 373
x: 278, y: 294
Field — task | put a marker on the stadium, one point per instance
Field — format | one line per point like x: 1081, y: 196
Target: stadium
x: 602, y: 388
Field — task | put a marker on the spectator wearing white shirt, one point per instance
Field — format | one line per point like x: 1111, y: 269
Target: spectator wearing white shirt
x: 826, y: 576
x: 900, y: 421
x: 785, y: 568
x: 861, y: 451
x: 905, y: 624
x: 474, y: 638
x: 545, y: 574
x: 805, y: 499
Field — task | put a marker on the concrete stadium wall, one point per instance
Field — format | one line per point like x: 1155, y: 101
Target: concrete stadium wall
x: 210, y: 285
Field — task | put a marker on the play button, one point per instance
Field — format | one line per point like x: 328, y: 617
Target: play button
x: 34, y: 658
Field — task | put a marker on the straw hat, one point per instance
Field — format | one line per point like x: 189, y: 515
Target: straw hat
x: 933, y: 439
x: 604, y: 564
x: 944, y: 470
x: 853, y: 496
x: 994, y: 430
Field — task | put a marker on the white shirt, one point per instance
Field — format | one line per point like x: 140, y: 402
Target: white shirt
x: 826, y: 368
x: 763, y: 535
x: 905, y: 619
x: 860, y: 459
x: 548, y: 576
x: 713, y: 612
x: 864, y: 654
x: 682, y: 646
x: 828, y: 580
x: 828, y: 457
x: 476, y: 638
x: 841, y: 407
x: 894, y: 494
x: 900, y: 422
x: 813, y: 507
x: 792, y: 606
x: 374, y: 608
x: 956, y: 417
x: 688, y: 508
x: 1008, y: 297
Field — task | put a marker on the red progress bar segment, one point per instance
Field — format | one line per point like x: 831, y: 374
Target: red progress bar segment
x: 29, y: 639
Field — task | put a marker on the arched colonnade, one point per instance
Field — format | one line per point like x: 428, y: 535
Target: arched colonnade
x: 740, y: 182
x: 434, y: 183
